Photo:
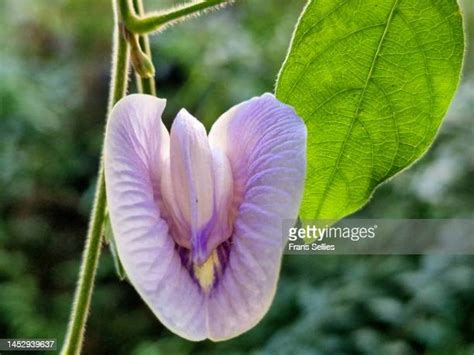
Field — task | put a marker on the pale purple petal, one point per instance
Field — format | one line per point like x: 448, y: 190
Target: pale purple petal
x: 265, y: 142
x: 191, y: 170
x: 226, y: 197
x: 136, y: 146
x: 197, y: 188
x: 223, y: 200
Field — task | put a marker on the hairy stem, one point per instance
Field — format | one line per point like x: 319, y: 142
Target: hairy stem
x: 144, y: 85
x: 125, y: 14
x: 82, y: 298
x: 145, y: 24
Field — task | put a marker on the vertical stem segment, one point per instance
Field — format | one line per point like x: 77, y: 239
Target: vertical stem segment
x: 144, y: 85
x: 82, y: 298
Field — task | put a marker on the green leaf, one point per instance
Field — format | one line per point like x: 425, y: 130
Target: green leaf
x: 373, y: 80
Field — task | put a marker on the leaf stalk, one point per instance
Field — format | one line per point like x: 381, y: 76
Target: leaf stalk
x: 143, y: 24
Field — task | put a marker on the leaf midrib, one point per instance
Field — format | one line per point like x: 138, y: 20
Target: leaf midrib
x: 357, y: 111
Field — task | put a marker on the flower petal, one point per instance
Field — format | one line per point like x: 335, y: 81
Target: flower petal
x: 136, y: 146
x: 191, y: 170
x: 262, y: 142
x: 265, y: 142
x: 197, y: 189
x: 221, y: 228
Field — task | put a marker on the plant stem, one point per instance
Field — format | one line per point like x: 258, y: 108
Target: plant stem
x: 144, y: 85
x: 82, y: 298
x: 124, y: 12
x: 150, y: 23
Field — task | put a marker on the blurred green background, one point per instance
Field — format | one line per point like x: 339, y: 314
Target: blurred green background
x: 54, y: 75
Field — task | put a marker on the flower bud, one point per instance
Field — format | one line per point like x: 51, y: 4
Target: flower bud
x: 142, y: 64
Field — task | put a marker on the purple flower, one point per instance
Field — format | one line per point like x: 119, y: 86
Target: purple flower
x: 198, y: 219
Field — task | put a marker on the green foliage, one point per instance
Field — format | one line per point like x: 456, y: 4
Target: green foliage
x: 53, y: 92
x: 373, y: 80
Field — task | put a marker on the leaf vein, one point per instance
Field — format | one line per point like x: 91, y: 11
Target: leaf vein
x: 320, y: 55
x: 357, y: 111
